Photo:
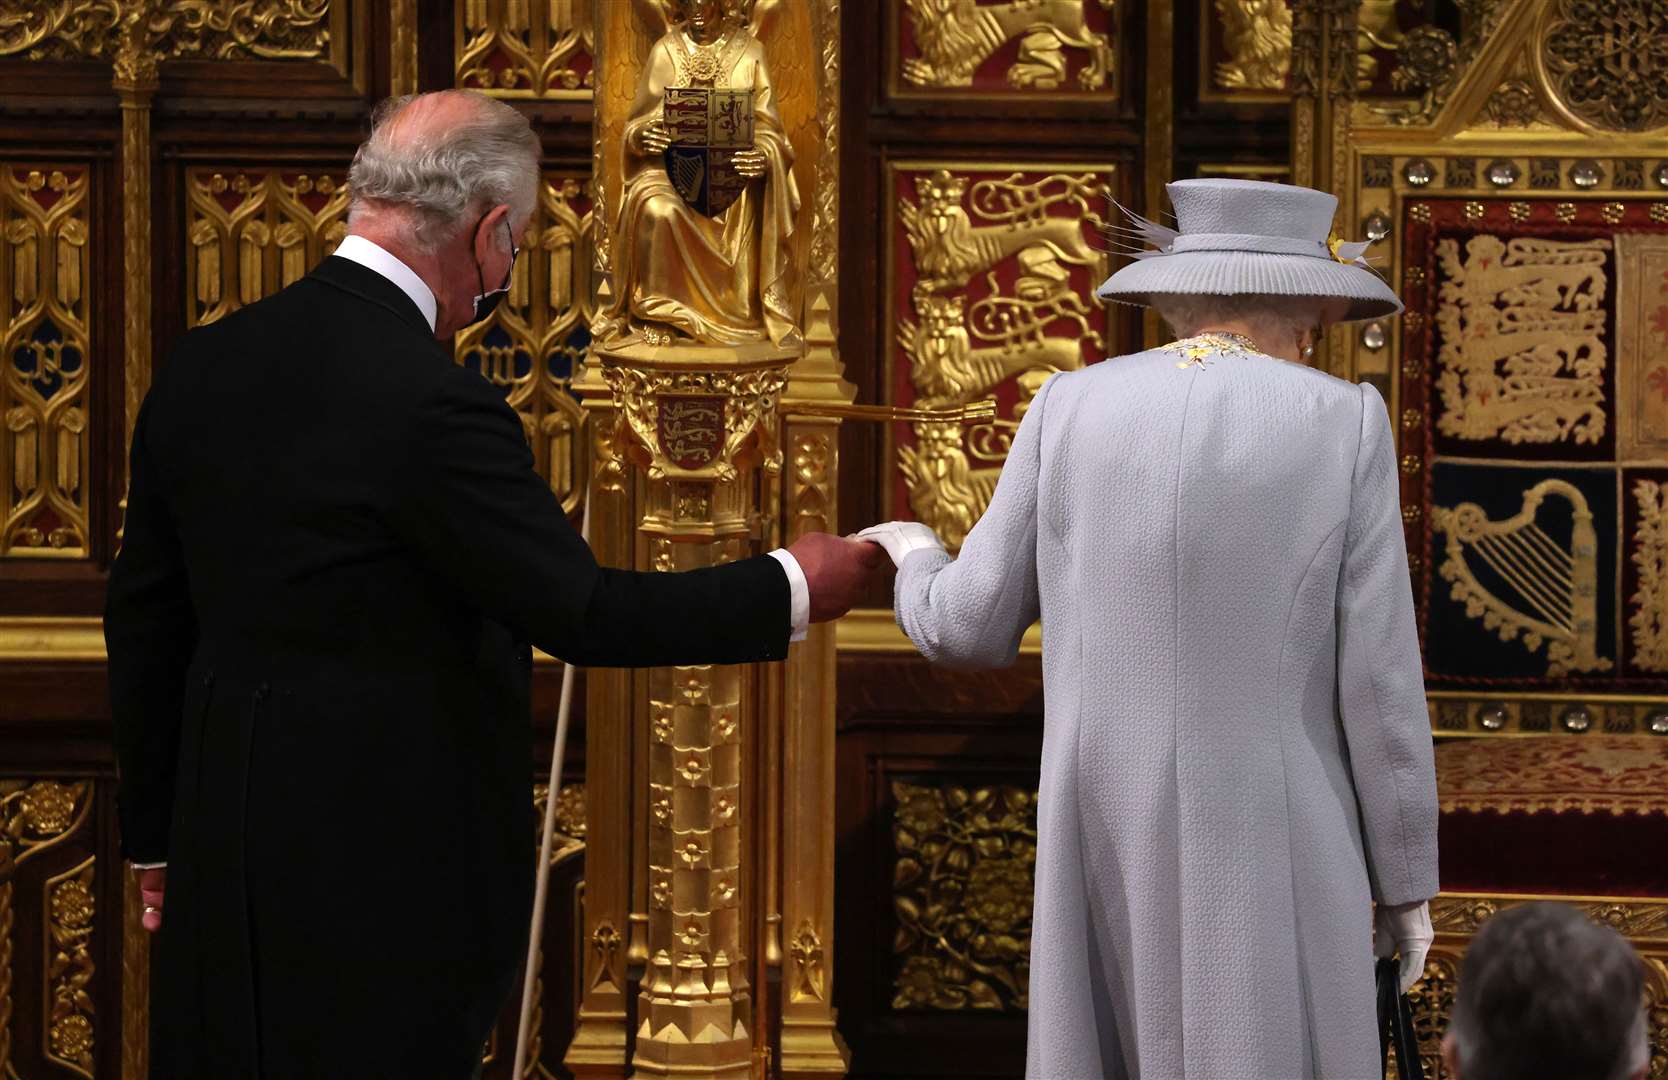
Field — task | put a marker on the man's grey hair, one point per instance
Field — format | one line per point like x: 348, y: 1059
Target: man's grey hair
x: 1277, y: 317
x: 443, y: 179
x: 1545, y: 992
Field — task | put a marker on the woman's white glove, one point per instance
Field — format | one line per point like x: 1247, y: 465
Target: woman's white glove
x: 899, y: 538
x: 1405, y: 928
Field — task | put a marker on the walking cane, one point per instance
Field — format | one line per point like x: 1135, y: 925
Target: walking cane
x: 541, y: 888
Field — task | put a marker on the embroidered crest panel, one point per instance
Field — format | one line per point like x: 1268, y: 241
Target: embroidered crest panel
x: 992, y: 272
x: 1534, y: 398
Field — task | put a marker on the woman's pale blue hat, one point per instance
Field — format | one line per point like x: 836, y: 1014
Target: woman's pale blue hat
x: 1248, y: 236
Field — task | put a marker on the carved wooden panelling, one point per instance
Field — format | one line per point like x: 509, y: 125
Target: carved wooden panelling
x: 1028, y: 47
x: 58, y: 29
x: 524, y: 48
x: 48, y: 913
x: 252, y: 232
x: 176, y: 29
x: 992, y: 271
x: 965, y: 861
x: 535, y: 342
x: 45, y: 342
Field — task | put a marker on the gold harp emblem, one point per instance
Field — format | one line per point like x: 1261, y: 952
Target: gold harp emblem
x: 1554, y: 590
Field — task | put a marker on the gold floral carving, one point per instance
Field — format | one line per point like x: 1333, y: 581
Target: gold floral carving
x: 1257, y: 35
x: 45, y: 467
x: 58, y: 29
x: 811, y: 501
x: 961, y: 894
x: 70, y: 1033
x: 1649, y: 621
x: 570, y: 819
x: 808, y: 978
x: 1523, y: 352
x: 1558, y: 586
x: 513, y: 48
x: 536, y: 342
x: 253, y: 232
x: 244, y: 29
x: 1607, y: 62
x: 1514, y: 103
x: 1033, y: 230
x: 956, y: 37
x: 35, y: 817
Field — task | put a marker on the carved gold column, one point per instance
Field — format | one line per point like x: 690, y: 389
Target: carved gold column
x: 135, y: 80
x: 704, y: 417
x: 402, y: 47
x: 803, y: 845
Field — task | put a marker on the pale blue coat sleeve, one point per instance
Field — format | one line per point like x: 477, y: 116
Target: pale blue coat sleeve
x: 972, y: 611
x: 1381, y: 686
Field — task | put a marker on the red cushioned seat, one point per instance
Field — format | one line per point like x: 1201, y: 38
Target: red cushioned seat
x: 1578, y: 815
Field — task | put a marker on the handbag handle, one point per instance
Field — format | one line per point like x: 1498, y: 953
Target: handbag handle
x: 1395, y: 1024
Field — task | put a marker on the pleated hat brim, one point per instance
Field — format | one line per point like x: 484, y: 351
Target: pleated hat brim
x: 1237, y: 273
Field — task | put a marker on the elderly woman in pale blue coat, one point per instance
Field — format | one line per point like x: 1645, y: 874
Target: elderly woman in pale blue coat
x: 1237, y: 756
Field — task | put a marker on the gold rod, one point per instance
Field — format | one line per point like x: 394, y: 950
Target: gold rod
x: 977, y: 412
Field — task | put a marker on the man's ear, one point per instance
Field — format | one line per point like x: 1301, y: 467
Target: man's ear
x: 1450, y: 1059
x: 489, y: 233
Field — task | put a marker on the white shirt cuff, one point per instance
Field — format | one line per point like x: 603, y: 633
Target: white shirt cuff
x: 799, y: 592
x: 149, y: 865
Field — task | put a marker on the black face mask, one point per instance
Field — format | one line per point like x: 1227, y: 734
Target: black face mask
x: 487, y: 302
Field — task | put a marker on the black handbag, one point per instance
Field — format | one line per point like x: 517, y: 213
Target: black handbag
x: 1395, y: 1024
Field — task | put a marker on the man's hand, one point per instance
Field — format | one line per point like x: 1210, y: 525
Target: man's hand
x: 151, y: 885
x: 836, y: 570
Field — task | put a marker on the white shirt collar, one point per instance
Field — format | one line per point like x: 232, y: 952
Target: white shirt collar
x: 374, y: 257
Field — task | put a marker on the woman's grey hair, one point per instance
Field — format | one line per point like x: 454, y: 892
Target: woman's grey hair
x: 1545, y: 991
x: 1279, y: 318
x: 444, y: 176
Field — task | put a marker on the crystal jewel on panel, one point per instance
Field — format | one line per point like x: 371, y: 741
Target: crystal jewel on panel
x: 1372, y: 336
x: 1377, y: 226
x: 1503, y: 173
x: 1418, y: 172
x: 1576, y: 719
x: 1657, y: 722
x: 1493, y: 719
x: 1586, y: 174
x: 1661, y: 175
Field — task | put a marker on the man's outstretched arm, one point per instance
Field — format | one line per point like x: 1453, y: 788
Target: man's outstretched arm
x: 472, y: 504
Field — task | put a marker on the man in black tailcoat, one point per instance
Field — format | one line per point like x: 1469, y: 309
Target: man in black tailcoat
x: 337, y: 556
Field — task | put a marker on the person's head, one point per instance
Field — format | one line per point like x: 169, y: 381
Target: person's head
x: 705, y: 18
x: 447, y: 182
x: 1545, y: 991
x: 1279, y: 325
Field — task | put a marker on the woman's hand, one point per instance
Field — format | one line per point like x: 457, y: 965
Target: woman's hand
x: 1405, y: 928
x: 899, y: 538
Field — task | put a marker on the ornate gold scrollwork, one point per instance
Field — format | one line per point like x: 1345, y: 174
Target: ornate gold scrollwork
x: 35, y: 817
x: 1607, y: 63
x: 1257, y: 35
x: 956, y: 37
x: 1523, y: 352
x: 511, y: 48
x: 807, y: 963
x: 1031, y: 321
x: 58, y: 29
x: 44, y: 335
x: 1559, y: 586
x: 961, y: 893
x: 68, y: 1018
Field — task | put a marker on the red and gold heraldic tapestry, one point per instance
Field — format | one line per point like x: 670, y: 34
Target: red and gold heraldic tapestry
x: 992, y: 270
x: 1534, y: 421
